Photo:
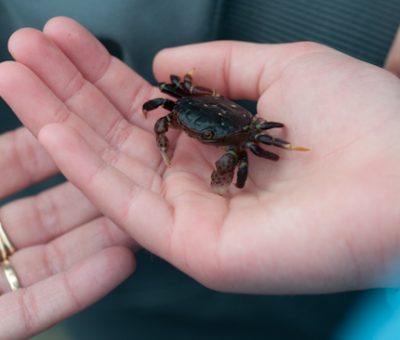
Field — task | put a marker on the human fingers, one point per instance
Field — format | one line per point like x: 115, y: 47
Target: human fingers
x: 41, y: 106
x: 33, y: 309
x: 82, y: 97
x: 36, y: 263
x: 39, y: 102
x: 123, y: 87
x: 23, y: 161
x: 239, y: 70
x: 40, y: 218
x: 99, y: 180
x: 55, y: 211
x: 31, y: 47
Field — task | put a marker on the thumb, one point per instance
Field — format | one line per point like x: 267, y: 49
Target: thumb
x: 238, y: 70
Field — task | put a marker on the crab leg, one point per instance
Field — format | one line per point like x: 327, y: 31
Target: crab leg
x: 280, y: 143
x: 160, y: 128
x: 260, y: 152
x: 157, y: 102
x: 243, y: 167
x: 196, y: 90
x: 175, y: 80
x: 222, y: 176
x: 264, y: 125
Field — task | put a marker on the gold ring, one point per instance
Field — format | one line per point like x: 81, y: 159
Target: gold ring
x: 11, y: 276
x: 6, y: 247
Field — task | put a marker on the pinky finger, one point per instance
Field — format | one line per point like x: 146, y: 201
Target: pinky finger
x: 31, y: 310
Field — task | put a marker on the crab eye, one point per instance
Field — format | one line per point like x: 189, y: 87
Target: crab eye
x: 207, y: 134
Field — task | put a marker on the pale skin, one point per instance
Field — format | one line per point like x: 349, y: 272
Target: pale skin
x: 322, y: 221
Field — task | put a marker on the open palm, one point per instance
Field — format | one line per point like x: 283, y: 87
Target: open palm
x: 326, y: 220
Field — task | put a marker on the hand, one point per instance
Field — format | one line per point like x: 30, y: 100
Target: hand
x: 67, y: 254
x: 67, y: 257
x: 317, y: 222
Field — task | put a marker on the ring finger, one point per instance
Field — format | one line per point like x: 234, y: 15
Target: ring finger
x: 33, y: 264
x: 45, y: 216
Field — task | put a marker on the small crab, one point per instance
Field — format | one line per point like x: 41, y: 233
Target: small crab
x: 212, y: 119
